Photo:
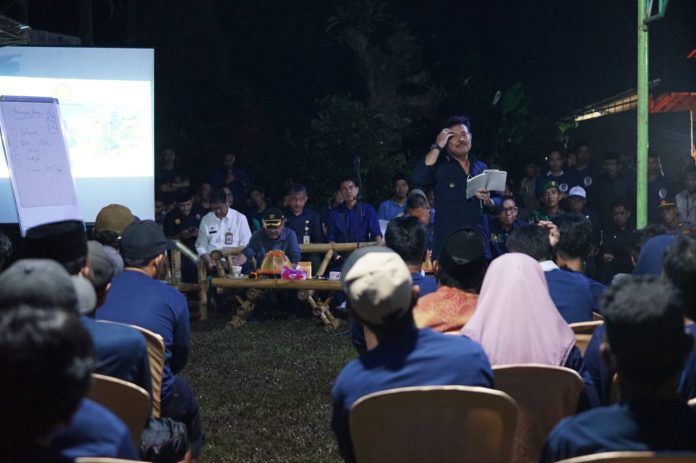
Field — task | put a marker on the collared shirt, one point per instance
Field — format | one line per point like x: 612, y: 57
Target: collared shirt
x: 306, y: 225
x: 359, y: 224
x: 454, y: 211
x: 389, y: 209
x: 175, y: 222
x: 260, y: 244
x: 215, y: 234
x: 499, y: 236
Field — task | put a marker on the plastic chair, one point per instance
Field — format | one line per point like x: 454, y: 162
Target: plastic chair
x: 127, y: 401
x: 692, y: 402
x: 544, y: 395
x: 583, y: 333
x: 433, y: 423
x: 631, y: 457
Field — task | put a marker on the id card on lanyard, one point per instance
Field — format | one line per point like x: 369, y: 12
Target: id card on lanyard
x: 229, y: 239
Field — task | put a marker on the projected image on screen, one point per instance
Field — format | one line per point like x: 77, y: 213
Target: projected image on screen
x: 106, y: 104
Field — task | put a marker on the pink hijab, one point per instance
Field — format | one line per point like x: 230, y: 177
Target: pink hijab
x: 515, y: 319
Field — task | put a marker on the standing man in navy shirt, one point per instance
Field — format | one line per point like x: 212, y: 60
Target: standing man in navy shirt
x: 446, y: 168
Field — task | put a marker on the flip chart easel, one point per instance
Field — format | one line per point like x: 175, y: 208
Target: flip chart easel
x: 38, y: 161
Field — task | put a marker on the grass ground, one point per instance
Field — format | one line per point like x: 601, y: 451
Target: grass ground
x: 265, y: 389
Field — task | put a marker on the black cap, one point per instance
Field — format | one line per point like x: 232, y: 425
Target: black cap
x: 63, y: 241
x: 143, y: 240
x: 273, y: 217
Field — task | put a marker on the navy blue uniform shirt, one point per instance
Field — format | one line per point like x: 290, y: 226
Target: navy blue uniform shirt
x: 454, y: 211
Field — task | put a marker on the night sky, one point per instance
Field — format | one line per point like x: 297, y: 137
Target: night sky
x: 262, y: 66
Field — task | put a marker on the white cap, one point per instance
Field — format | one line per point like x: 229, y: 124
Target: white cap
x: 578, y: 191
x: 377, y: 283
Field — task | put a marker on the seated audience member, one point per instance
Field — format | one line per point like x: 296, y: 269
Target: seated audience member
x: 652, y: 255
x: 47, y: 359
x: 273, y: 236
x: 181, y: 223
x: 120, y: 351
x: 610, y: 185
x: 394, y: 206
x: 657, y: 187
x: 614, y: 255
x: 680, y: 270
x: 459, y: 270
x: 325, y: 212
x: 514, y: 305
x: 503, y: 226
x: 418, y: 205
x: 233, y: 177
x: 577, y: 204
x: 406, y: 236
x: 670, y: 217
x: 686, y: 199
x: 378, y: 285
x: 527, y: 189
x: 574, y: 250
x: 220, y: 228
x: 201, y: 200
x: 5, y: 251
x: 137, y: 298
x: 570, y: 291
x: 650, y: 416
x: 555, y: 173
x: 550, y: 200
x: 304, y: 221
x: 93, y: 430
x: 161, y: 208
x: 170, y: 179
x: 257, y: 206
x: 353, y: 220
x: 108, y: 228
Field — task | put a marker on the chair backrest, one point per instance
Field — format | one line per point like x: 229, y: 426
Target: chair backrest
x: 129, y: 402
x: 433, y: 423
x: 597, y: 316
x: 544, y: 395
x: 631, y: 457
x: 692, y: 402
x: 583, y: 333
x: 155, y: 353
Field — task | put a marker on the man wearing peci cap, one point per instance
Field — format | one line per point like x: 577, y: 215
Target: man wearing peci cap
x: 273, y: 236
x: 137, y: 298
x: 108, y: 227
x: 378, y: 285
x: 671, y: 219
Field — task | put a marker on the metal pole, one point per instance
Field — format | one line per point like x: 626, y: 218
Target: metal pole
x: 642, y: 122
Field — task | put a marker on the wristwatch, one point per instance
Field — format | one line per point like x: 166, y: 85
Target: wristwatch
x: 435, y: 146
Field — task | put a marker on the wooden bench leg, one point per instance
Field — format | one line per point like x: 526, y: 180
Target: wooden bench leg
x: 203, y: 290
x: 322, y: 310
x: 246, y: 307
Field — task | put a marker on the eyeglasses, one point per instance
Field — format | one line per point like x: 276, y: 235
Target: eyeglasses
x: 509, y: 210
x: 461, y: 134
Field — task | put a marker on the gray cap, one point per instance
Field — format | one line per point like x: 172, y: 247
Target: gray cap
x: 101, y: 265
x: 44, y: 282
x: 377, y: 283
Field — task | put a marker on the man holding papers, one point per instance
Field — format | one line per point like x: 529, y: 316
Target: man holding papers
x: 447, y: 168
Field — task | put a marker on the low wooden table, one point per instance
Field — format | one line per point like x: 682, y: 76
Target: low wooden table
x: 255, y: 287
x: 306, y: 292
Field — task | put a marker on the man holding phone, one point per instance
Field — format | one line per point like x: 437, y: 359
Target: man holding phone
x: 181, y: 223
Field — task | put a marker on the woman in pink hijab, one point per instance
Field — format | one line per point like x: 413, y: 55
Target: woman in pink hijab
x: 517, y: 322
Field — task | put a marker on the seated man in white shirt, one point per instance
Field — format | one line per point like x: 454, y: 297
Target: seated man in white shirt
x: 222, y: 227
